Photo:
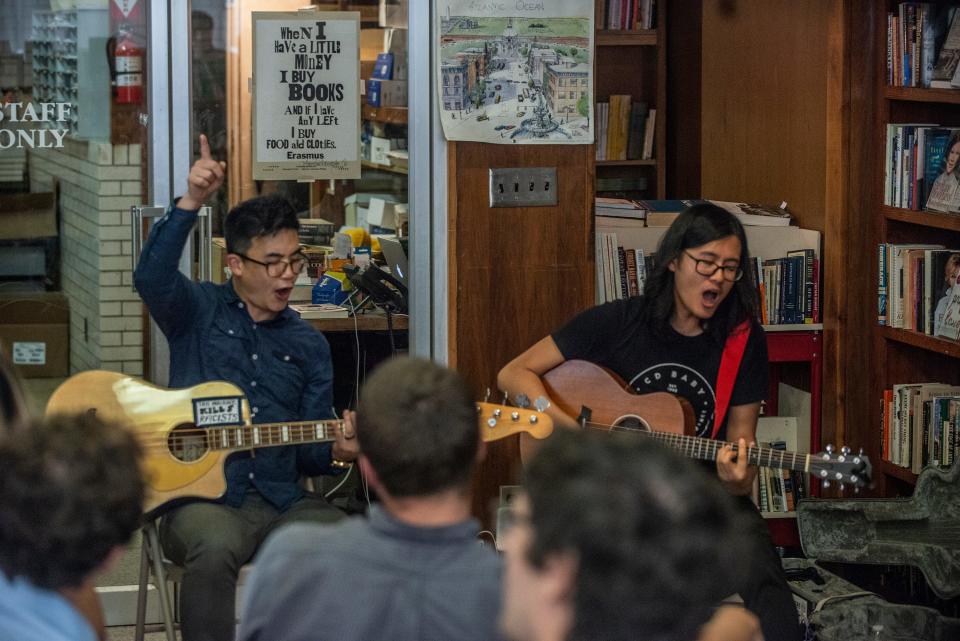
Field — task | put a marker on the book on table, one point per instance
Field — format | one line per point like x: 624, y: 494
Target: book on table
x: 320, y: 310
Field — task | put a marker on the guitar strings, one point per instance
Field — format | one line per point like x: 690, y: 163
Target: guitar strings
x: 267, y: 432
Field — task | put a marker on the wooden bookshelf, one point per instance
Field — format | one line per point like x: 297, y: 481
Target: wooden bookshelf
x: 634, y: 63
x: 919, y: 94
x: 389, y: 115
x: 922, y: 341
x: 897, y: 472
x: 936, y: 219
x: 366, y: 164
x: 899, y: 355
x: 615, y: 38
x: 652, y: 162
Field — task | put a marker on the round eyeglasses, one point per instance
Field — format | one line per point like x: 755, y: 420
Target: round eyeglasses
x: 731, y: 273
x: 277, y: 268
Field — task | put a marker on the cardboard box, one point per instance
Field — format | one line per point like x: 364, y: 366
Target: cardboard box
x: 28, y: 216
x: 387, y: 93
x: 354, y: 203
x: 379, y: 148
x: 393, y: 13
x: 34, y: 333
x: 395, y: 41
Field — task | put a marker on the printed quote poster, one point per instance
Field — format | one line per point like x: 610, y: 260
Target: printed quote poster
x: 516, y: 71
x: 306, y: 95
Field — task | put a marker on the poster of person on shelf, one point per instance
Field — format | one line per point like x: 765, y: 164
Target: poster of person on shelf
x: 945, y: 192
x: 516, y: 72
x: 950, y: 300
x: 306, y: 95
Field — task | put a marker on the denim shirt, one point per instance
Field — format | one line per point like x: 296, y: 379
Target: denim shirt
x: 282, y: 365
x: 30, y: 613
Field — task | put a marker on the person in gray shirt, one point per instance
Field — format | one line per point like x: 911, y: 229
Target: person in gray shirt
x: 413, y: 569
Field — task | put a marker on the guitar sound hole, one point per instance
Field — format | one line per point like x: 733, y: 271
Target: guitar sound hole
x: 632, y: 422
x: 187, y: 443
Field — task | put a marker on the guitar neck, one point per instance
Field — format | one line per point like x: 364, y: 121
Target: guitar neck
x: 707, y: 449
x: 246, y: 437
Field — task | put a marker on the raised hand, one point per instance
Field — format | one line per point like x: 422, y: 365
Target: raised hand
x: 205, y: 178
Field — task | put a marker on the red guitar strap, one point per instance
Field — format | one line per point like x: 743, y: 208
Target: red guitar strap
x: 729, y: 365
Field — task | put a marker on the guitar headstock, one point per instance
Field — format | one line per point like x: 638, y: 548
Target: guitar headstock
x: 842, y: 467
x: 501, y: 421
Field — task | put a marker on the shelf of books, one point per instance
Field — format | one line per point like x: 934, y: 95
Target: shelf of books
x: 630, y: 88
x: 917, y: 330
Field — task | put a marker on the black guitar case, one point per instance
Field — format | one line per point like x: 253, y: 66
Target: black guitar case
x: 922, y: 531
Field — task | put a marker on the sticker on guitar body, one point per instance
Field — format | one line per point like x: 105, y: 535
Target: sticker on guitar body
x: 217, y: 411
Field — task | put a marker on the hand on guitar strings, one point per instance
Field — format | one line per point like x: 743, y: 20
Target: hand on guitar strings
x: 345, y: 446
x: 736, y: 475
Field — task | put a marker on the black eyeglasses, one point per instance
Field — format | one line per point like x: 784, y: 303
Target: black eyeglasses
x: 731, y: 273
x: 277, y: 268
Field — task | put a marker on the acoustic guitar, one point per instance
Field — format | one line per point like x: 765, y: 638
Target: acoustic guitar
x: 187, y: 434
x: 603, y: 401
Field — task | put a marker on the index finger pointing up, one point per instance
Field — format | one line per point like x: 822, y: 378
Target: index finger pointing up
x: 204, y: 148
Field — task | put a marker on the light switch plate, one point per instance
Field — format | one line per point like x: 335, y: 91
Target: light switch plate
x: 523, y: 187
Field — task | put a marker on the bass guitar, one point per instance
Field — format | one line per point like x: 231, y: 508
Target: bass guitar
x: 603, y: 401
x: 187, y: 434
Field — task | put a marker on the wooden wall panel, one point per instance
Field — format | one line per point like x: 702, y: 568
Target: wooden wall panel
x: 515, y: 273
x: 763, y: 130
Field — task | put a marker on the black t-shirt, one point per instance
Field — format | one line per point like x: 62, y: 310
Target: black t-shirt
x: 612, y: 335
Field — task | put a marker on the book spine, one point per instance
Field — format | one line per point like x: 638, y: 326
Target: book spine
x: 623, y: 277
x: 816, y: 290
x: 882, y: 284
x: 631, y: 259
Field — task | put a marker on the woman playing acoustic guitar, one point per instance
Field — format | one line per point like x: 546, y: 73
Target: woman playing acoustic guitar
x: 696, y: 305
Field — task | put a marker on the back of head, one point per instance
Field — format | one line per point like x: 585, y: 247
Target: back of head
x: 696, y: 226
x: 71, y: 490
x: 13, y: 405
x: 652, y: 534
x: 417, y: 425
x: 260, y: 216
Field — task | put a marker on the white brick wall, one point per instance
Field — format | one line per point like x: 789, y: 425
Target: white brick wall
x: 98, y: 184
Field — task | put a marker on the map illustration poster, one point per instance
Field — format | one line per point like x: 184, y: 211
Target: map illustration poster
x: 516, y: 71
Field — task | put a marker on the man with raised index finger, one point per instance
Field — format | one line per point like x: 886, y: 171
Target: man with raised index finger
x: 242, y: 332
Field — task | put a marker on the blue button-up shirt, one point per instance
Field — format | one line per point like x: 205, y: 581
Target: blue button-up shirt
x: 282, y: 365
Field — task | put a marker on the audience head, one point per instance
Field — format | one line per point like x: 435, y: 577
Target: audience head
x: 616, y: 538
x: 417, y: 426
x: 71, y: 491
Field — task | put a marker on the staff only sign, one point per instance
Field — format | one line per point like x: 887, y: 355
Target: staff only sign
x: 306, y: 95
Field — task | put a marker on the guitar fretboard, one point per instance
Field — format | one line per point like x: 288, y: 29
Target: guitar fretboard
x: 239, y: 437
x: 707, y: 449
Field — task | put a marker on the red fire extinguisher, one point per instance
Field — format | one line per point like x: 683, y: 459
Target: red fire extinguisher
x: 128, y: 61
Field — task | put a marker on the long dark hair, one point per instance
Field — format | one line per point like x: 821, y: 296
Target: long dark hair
x: 696, y: 226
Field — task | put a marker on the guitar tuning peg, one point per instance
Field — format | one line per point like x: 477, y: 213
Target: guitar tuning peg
x: 486, y: 396
x: 541, y: 403
x: 841, y: 488
x: 514, y: 416
x: 845, y: 450
x: 829, y: 448
x: 523, y: 401
x: 856, y: 489
x: 826, y: 484
x: 492, y: 422
x: 506, y: 397
x: 497, y: 413
x: 860, y: 453
x: 853, y: 480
